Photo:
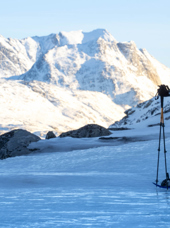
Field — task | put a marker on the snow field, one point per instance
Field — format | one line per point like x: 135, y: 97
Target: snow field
x: 108, y: 186
x: 41, y: 107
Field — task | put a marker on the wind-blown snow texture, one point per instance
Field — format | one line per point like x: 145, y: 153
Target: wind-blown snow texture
x: 63, y: 81
x: 106, y: 186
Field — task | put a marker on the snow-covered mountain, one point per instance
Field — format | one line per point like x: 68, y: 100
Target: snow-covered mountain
x: 63, y: 81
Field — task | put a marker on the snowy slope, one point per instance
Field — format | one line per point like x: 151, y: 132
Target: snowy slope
x: 17, y: 56
x: 146, y: 114
x: 64, y: 81
x: 40, y: 107
x: 109, y: 186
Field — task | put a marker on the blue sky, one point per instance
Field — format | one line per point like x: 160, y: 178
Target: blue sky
x: 146, y: 22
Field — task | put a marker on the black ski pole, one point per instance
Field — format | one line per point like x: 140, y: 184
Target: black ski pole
x: 158, y: 153
x: 163, y: 126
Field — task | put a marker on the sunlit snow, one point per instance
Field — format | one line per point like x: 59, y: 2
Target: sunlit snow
x: 106, y: 186
x: 64, y: 81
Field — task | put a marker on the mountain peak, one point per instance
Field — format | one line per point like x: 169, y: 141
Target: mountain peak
x: 96, y: 34
x: 80, y: 37
x: 73, y: 37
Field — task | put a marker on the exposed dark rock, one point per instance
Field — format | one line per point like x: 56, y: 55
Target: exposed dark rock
x: 50, y: 135
x: 124, y: 139
x: 110, y: 138
x: 15, y: 143
x: 119, y: 128
x: 90, y: 130
x: 154, y: 125
x: 129, y: 112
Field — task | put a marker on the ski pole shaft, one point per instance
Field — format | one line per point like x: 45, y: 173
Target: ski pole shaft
x: 158, y: 153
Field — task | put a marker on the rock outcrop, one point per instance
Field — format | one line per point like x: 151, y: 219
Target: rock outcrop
x: 90, y: 130
x: 50, y: 135
x: 14, y: 143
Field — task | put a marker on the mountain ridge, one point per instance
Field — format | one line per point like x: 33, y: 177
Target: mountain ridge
x: 77, y: 63
x: 77, y: 59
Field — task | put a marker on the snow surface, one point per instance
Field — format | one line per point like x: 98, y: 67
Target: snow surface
x: 106, y: 186
x: 146, y: 114
x: 40, y: 107
x: 64, y: 81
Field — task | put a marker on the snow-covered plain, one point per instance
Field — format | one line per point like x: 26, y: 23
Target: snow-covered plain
x: 109, y: 185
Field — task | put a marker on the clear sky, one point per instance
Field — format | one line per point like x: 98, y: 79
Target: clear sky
x: 146, y: 22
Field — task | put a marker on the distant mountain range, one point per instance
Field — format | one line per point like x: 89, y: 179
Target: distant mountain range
x: 73, y: 78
